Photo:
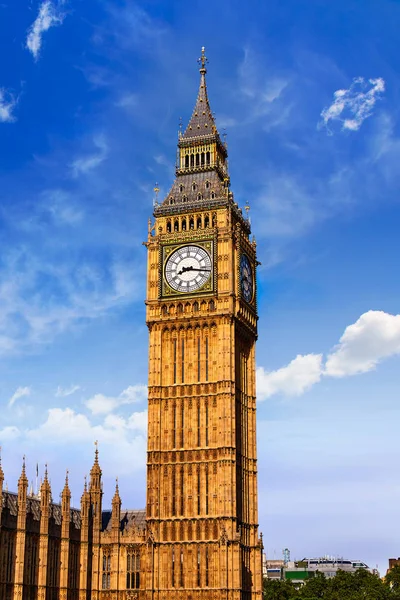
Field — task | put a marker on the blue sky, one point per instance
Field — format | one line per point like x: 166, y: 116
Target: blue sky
x: 91, y: 93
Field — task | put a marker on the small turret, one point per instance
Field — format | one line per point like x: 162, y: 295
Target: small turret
x: 116, y: 509
x: 22, y: 485
x: 45, y: 493
x: 95, y: 472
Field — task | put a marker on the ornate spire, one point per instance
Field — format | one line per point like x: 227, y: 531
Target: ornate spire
x: 23, y: 480
x: 95, y: 471
x: 116, y: 499
x: 45, y: 489
x: 202, y: 120
x: 66, y: 491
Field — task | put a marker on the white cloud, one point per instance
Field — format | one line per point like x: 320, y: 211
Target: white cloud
x: 84, y: 164
x: 100, y: 404
x: 352, y: 106
x: 294, y: 379
x: 64, y: 392
x: 9, y: 433
x: 120, y: 437
x: 373, y: 337
x: 364, y: 344
x: 19, y: 393
x: 49, y: 16
x: 7, y: 105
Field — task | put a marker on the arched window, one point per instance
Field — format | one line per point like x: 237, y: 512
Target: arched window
x: 194, y: 186
x: 176, y: 225
x: 184, y: 198
x: 133, y: 569
x: 191, y: 223
x: 192, y: 160
x: 195, y: 306
x: 207, y: 184
x: 199, y: 197
x: 198, y: 222
x: 202, y: 159
x: 197, y: 159
x: 187, y: 161
x: 213, y: 195
x: 208, y: 158
x: 179, y: 309
x: 171, y: 200
x: 182, y: 187
x: 169, y: 227
x: 211, y: 305
x: 184, y: 225
x: 207, y: 221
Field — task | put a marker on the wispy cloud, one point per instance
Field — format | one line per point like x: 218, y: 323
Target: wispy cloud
x: 19, y: 393
x: 40, y: 299
x: 352, y: 106
x: 64, y: 392
x: 84, y: 164
x: 7, y: 105
x: 49, y: 16
x: 363, y: 345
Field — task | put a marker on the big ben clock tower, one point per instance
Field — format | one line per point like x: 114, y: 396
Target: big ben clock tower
x: 201, y: 508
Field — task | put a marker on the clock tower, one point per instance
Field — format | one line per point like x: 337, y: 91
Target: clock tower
x: 201, y: 508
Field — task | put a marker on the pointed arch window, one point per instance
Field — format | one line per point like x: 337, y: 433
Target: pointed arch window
x: 207, y: 185
x: 199, y: 196
x: 194, y: 186
x: 133, y: 569
x: 106, y: 571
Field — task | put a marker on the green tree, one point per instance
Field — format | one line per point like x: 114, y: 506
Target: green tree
x: 393, y: 579
x: 278, y: 590
x: 316, y: 587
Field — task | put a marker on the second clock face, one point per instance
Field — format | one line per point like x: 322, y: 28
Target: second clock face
x: 188, y: 268
x: 246, y: 278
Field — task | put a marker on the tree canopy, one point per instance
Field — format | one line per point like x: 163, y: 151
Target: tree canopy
x: 361, y: 585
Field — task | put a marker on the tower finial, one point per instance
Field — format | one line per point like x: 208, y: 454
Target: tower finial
x: 203, y: 61
x: 96, y: 453
x: 156, y: 190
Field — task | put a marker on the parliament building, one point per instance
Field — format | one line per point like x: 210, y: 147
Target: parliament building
x: 197, y: 538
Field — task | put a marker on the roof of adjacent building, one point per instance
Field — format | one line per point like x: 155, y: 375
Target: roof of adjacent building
x: 129, y: 518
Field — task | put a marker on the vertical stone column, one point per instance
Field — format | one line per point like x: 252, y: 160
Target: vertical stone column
x: 116, y: 568
x: 21, y: 535
x: 45, y: 500
x: 96, y: 494
x: 84, y: 546
x: 65, y: 531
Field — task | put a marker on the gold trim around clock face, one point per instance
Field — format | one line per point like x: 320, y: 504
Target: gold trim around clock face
x: 167, y: 291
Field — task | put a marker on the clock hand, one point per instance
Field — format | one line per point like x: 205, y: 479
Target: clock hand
x: 187, y: 269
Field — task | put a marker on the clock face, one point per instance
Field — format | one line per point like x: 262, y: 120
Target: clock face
x: 188, y: 268
x: 246, y: 278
